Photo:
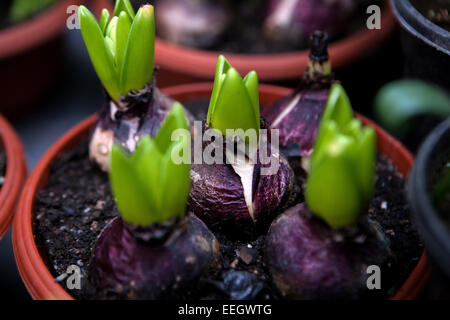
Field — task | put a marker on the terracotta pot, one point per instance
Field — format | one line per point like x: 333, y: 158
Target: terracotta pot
x: 30, y: 56
x: 16, y: 172
x: 34, y: 272
x: 182, y: 64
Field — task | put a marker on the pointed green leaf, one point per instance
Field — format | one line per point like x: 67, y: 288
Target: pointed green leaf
x: 122, y: 32
x: 148, y: 169
x: 366, y: 157
x: 98, y: 52
x: 332, y: 190
x: 175, y: 181
x: 129, y: 197
x: 338, y: 106
x: 251, y: 83
x: 137, y: 69
x: 222, y: 68
x: 104, y: 20
x: 176, y: 119
x: 330, y: 131
x: 124, y: 5
x: 234, y: 109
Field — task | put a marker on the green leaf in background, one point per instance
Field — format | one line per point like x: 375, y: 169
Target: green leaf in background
x: 23, y: 9
x: 398, y: 102
x: 342, y: 169
x: 234, y: 101
x: 150, y: 186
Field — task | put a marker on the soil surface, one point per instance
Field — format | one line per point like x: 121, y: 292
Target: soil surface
x: 2, y: 166
x: 76, y: 204
x: 246, y: 28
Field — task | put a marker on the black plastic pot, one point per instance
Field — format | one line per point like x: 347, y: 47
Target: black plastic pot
x: 435, y: 228
x: 426, y: 45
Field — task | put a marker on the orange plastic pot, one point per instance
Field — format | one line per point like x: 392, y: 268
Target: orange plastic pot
x: 179, y: 64
x: 16, y: 172
x: 34, y: 272
x: 30, y: 56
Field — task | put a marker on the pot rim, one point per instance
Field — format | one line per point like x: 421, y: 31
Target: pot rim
x: 418, y: 25
x: 38, y: 279
x: 419, y: 196
x: 29, y: 34
x: 270, y: 67
x: 15, y: 175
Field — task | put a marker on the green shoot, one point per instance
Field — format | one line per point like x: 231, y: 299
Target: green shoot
x: 151, y: 185
x: 342, y: 173
x: 121, y: 48
x: 234, y: 101
x: 399, y: 103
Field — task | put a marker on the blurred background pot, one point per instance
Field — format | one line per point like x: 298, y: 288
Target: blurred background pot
x: 33, y: 270
x: 180, y: 64
x: 15, y: 174
x: 425, y: 44
x: 30, y: 57
x: 433, y: 164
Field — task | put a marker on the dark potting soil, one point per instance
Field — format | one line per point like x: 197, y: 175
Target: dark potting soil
x: 246, y: 28
x: 2, y: 166
x: 76, y: 204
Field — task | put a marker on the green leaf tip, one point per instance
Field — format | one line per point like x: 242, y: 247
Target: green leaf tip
x: 234, y: 101
x: 343, y: 163
x: 398, y: 103
x: 152, y: 185
x: 121, y: 48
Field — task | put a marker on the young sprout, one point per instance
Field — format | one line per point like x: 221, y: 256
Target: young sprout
x: 121, y: 48
x: 342, y: 169
x: 154, y: 248
x: 234, y: 101
x: 338, y: 190
x: 150, y: 186
x: 236, y: 193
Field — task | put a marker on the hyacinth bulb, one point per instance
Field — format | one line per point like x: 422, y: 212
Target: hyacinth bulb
x: 235, y: 194
x: 154, y: 248
x: 309, y: 260
x: 194, y: 23
x: 292, y: 21
x: 330, y: 233
x: 297, y: 116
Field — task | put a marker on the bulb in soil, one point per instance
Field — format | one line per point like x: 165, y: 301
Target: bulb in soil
x: 292, y: 21
x: 297, y: 116
x: 192, y: 22
x: 236, y: 197
x: 155, y: 262
x: 310, y: 260
x: 126, y: 121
